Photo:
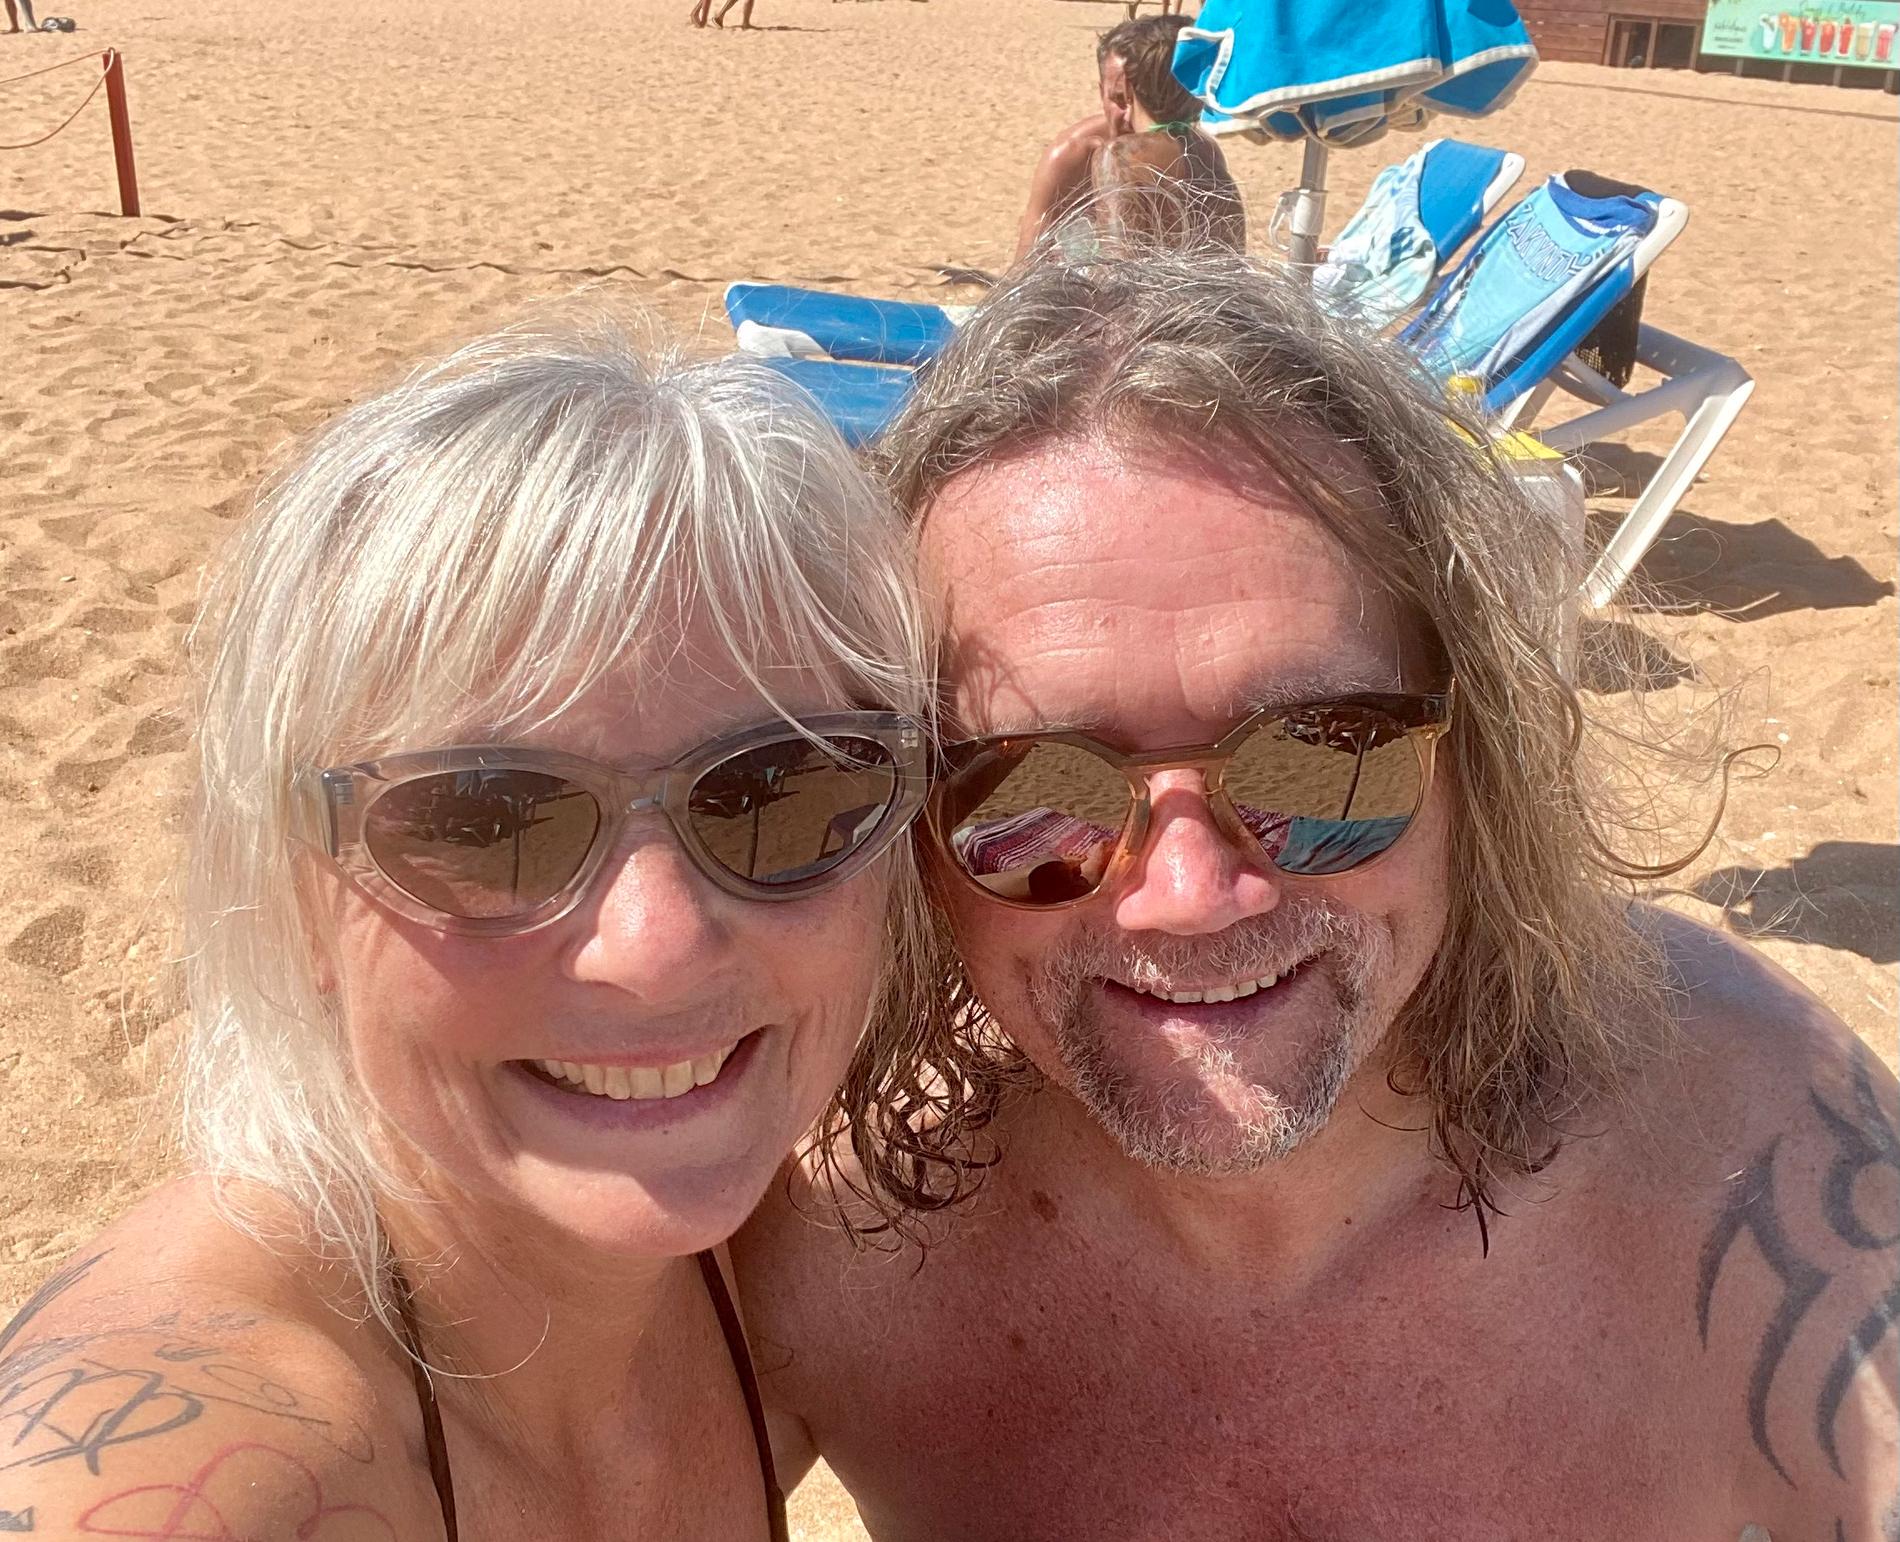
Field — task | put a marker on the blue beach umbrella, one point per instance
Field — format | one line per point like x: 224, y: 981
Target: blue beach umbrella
x: 1342, y: 72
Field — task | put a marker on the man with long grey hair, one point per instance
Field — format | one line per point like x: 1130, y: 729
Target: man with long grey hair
x: 1348, y: 1153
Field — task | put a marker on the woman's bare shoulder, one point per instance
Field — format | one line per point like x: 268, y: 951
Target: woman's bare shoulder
x: 177, y: 1378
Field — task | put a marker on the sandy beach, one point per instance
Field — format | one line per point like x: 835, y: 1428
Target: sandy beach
x: 334, y: 191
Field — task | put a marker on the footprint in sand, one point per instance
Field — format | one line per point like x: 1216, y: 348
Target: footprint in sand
x: 137, y: 683
x: 55, y: 942
x: 172, y: 386
x: 132, y: 1017
x: 89, y: 867
x: 159, y: 734
x: 70, y: 530
x: 74, y: 782
x: 37, y: 659
x: 112, y: 620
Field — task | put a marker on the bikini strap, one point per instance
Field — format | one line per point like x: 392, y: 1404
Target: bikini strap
x: 436, y: 1443
x: 432, y: 1437
x: 736, y: 1346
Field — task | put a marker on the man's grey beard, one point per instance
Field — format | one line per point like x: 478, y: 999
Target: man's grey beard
x: 1174, y: 1127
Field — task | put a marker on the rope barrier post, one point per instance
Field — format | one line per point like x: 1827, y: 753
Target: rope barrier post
x: 121, y: 134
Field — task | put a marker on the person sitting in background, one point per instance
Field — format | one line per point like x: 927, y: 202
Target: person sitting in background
x: 1142, y: 165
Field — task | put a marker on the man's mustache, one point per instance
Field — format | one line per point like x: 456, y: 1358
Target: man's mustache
x: 1290, y: 934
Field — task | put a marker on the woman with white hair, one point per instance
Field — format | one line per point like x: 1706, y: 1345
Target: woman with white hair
x: 559, y: 720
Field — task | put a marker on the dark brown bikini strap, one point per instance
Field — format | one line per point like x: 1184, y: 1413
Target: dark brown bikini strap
x: 437, y: 1444
x: 741, y: 1354
x: 432, y: 1437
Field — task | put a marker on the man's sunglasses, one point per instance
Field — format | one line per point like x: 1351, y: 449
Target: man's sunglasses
x: 1041, y: 820
x: 495, y: 840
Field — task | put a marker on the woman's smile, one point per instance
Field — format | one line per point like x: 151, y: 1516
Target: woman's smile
x: 640, y: 1096
x: 638, y: 1082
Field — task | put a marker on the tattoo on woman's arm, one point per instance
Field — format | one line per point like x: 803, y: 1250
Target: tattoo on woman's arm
x: 74, y: 1398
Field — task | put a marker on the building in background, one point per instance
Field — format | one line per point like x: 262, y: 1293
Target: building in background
x: 1845, y: 42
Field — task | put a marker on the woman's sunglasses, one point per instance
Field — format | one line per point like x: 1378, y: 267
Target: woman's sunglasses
x: 1043, y: 820
x: 498, y: 840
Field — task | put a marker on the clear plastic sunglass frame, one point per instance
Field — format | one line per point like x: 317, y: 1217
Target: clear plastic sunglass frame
x: 1423, y: 719
x: 335, y: 805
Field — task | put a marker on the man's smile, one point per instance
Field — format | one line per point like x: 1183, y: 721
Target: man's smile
x: 1183, y: 995
x: 1211, y: 1015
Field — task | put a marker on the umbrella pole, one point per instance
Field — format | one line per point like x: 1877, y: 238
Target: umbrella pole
x: 1309, y: 207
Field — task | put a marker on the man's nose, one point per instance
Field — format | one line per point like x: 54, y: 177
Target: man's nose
x: 1189, y: 877
x: 654, y: 925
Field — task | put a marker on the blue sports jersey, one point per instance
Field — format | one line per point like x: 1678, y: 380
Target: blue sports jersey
x: 1528, y: 268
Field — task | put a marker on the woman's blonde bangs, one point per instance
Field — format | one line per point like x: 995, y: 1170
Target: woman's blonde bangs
x: 539, y: 511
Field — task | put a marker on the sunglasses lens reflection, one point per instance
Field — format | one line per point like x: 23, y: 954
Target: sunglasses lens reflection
x: 1326, y: 790
x: 1037, y: 823
x: 482, y: 844
x: 791, y: 810
x: 1323, y: 790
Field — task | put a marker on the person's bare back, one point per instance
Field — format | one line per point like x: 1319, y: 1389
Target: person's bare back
x: 1169, y: 184
x: 1062, y: 179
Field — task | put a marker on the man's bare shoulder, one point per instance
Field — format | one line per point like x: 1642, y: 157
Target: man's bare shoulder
x: 1797, y: 1237
x: 174, y: 1379
x: 1753, y: 1038
x: 1079, y: 140
x: 798, y: 1250
x: 1722, y: 978
x: 816, y: 1300
x: 818, y: 1292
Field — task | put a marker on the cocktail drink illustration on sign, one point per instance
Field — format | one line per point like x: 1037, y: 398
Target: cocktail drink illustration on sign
x: 1846, y: 38
x: 1864, y: 42
x: 1809, y: 27
x: 1827, y: 36
x: 1790, y: 32
x: 1770, y: 31
x: 1883, y: 43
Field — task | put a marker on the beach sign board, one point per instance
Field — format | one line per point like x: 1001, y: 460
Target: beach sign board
x: 1853, y: 32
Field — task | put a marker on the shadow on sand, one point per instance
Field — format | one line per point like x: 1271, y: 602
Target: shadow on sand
x: 1744, y: 571
x: 1842, y: 894
x: 1614, y: 656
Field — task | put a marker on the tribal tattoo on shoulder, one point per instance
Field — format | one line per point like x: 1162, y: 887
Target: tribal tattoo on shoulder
x: 1864, y: 1138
